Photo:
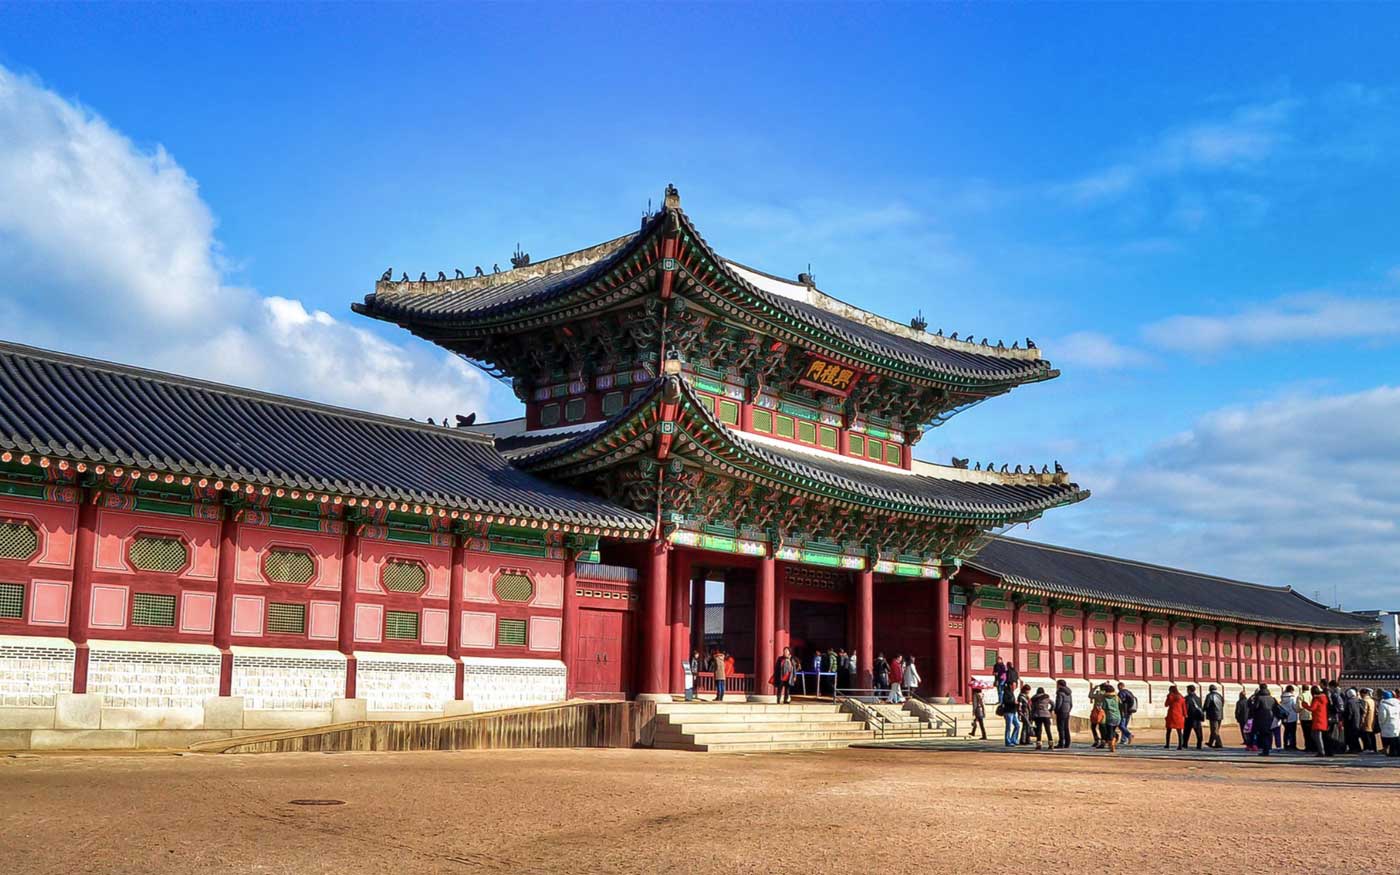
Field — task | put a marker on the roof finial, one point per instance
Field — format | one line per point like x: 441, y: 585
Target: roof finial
x: 519, y: 259
x: 807, y: 279
x: 673, y: 198
x: 919, y: 323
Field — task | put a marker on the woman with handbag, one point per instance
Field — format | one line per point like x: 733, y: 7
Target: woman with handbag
x: 1006, y: 709
x: 1096, y: 716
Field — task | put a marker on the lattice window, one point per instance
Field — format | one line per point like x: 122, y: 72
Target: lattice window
x: 727, y: 412
x: 806, y: 431
x: 763, y: 421
x: 1100, y: 664
x: 1205, y: 648
x: 17, y: 540
x: 827, y: 437
x: 1157, y: 644
x: 156, y: 553
x: 286, y: 619
x: 857, y: 445
x: 549, y: 415
x: 12, y: 601
x: 575, y: 409
x: 150, y: 609
x: 1100, y: 638
x: 893, y: 455
x: 989, y: 658
x: 1066, y: 634
x: 1181, y: 669
x: 1129, y: 665
x: 1157, y: 667
x: 1181, y: 645
x: 991, y: 629
x: 401, y: 576
x: 1033, y: 661
x: 1227, y: 648
x: 282, y: 565
x: 1317, y: 656
x: 1067, y: 660
x: 401, y: 625
x: 784, y: 426
x: 1248, y: 650
x: 1129, y: 640
x: 514, y: 586
x: 510, y: 632
x: 1033, y: 633
x: 612, y: 403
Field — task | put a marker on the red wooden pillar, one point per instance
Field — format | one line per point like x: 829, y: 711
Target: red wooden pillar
x: 865, y: 610
x: 223, y: 598
x: 1084, y: 637
x: 680, y: 618
x: 455, y: 587
x: 1016, y: 634
x: 944, y: 684
x: 765, y: 655
x: 655, y: 640
x: 80, y: 599
x: 349, y: 577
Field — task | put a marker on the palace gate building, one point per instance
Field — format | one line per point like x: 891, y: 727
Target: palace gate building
x: 710, y: 456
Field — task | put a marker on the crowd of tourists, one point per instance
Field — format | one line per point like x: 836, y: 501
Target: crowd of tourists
x: 831, y: 670
x: 1323, y: 719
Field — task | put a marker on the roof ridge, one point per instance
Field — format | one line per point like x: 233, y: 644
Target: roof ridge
x: 72, y: 359
x: 1153, y: 566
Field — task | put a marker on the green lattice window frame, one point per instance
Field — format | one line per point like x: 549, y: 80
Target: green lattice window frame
x: 11, y: 601
x: 783, y: 426
x: 404, y: 575
x: 1268, y: 652
x: 763, y: 421
x: 1205, y: 648
x: 163, y: 554
x: 894, y: 455
x: 514, y: 586
x: 549, y: 415
x: 989, y: 658
x: 401, y: 625
x: 1067, y: 662
x: 1033, y: 660
x: 1129, y: 640
x: 18, y: 539
x: 1033, y: 632
x: 613, y: 402
x: 1227, y: 649
x: 874, y: 450
x: 1157, y: 643
x: 1285, y: 653
x: 1332, y: 657
x: 1066, y: 634
x: 727, y: 411
x: 575, y: 409
x: 1228, y: 670
x: 1157, y: 667
x: 1317, y: 656
x: 288, y: 565
x: 1100, y: 664
x: 1129, y: 665
x: 1100, y: 638
x: 1205, y: 669
x: 991, y: 629
x: 806, y: 432
x: 510, y: 632
x: 856, y: 445
x: 1181, y: 669
x: 1248, y: 672
x: 1247, y: 650
x: 153, y: 609
x: 827, y: 437
x: 1182, y: 646
x: 286, y: 618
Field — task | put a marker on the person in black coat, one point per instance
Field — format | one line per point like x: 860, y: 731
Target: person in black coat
x: 1214, y: 706
x: 1064, y: 705
x: 1263, y: 708
x: 1195, y: 715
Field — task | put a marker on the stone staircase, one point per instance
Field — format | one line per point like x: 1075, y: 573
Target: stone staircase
x: 743, y: 726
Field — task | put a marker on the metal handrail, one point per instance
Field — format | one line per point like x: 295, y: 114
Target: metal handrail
x: 863, y: 700
x: 942, y: 717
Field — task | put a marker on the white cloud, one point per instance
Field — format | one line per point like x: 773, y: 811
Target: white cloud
x: 1299, y: 491
x: 1090, y: 349
x: 1237, y: 142
x: 1297, y: 319
x: 108, y: 250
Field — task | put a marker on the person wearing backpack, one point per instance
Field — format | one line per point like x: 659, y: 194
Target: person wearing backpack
x: 1042, y: 707
x: 1112, y: 717
x: 1263, y: 710
x: 1006, y: 709
x: 1215, y: 713
x: 1128, y: 704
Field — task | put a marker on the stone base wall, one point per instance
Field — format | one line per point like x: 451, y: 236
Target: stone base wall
x: 153, y: 676
x: 270, y: 679
x: 405, y: 683
x: 490, y: 683
x: 34, y: 670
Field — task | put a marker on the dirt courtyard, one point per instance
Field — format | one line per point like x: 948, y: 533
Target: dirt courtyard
x: 650, y: 811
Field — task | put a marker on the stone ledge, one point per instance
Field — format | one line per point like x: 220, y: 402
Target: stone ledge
x: 81, y: 739
x: 27, y: 718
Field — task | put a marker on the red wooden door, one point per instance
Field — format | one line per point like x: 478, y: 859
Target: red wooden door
x: 602, y: 654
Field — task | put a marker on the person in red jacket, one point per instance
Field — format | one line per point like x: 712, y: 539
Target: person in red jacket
x: 1318, y: 707
x: 1176, y: 716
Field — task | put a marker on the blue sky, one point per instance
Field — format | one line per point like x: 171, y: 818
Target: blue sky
x: 1191, y: 209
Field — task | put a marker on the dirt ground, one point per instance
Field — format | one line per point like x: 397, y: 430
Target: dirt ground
x: 649, y: 811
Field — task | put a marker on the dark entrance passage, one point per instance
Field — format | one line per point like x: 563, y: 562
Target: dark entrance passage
x: 722, y: 602
x: 816, y: 625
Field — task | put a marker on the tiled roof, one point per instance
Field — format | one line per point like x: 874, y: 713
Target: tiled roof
x: 462, y: 301
x: 67, y: 407
x: 1074, y: 573
x: 997, y: 494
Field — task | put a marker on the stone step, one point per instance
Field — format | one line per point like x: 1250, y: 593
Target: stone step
x: 741, y: 708
x: 766, y: 717
x: 747, y: 737
x: 672, y: 729
x: 761, y: 746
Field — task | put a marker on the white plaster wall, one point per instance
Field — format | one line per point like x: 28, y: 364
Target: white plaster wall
x: 491, y: 683
x: 404, y: 681
x: 283, y: 679
x: 33, y: 670
x: 149, y: 675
